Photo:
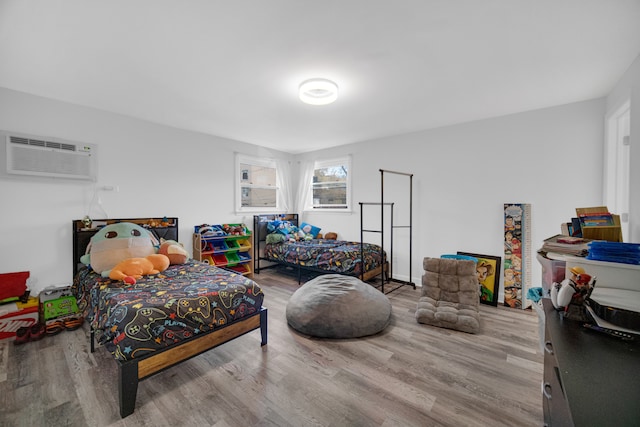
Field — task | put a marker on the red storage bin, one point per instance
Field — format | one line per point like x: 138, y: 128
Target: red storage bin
x: 220, y: 259
x: 13, y: 285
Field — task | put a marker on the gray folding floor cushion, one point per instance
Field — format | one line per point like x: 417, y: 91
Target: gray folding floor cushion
x: 450, y: 295
x: 337, y: 306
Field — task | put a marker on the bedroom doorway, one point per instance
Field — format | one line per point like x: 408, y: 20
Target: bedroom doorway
x: 617, y: 164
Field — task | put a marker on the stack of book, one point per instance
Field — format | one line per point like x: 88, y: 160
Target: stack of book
x: 571, y: 228
x: 561, y: 244
x: 595, y: 223
x: 598, y: 223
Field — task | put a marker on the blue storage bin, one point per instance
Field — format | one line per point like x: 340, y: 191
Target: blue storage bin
x: 459, y: 257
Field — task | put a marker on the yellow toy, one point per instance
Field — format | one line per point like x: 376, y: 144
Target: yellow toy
x: 134, y: 268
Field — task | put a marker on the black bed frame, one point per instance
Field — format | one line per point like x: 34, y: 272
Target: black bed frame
x: 260, y: 234
x: 132, y: 371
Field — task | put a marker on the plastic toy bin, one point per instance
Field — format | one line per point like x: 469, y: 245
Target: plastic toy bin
x: 244, y: 256
x: 233, y: 244
x: 552, y: 271
x: 241, y: 268
x: 218, y: 245
x: 233, y: 258
x: 220, y: 259
x: 216, y: 230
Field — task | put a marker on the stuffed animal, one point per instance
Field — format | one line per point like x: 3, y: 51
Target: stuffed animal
x: 286, y: 228
x: 176, y: 253
x: 134, y: 268
x: 234, y: 229
x: 301, y: 235
x: 331, y: 235
x: 116, y: 242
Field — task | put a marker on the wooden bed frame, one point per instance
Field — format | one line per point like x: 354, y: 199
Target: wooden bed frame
x: 132, y: 371
x: 260, y: 232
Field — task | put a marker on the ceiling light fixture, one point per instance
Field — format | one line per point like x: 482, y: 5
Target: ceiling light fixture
x: 318, y: 91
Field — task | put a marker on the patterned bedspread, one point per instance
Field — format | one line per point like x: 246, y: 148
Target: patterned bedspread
x: 337, y: 256
x: 163, y: 309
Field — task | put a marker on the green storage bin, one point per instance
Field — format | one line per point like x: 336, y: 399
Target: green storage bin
x: 232, y: 258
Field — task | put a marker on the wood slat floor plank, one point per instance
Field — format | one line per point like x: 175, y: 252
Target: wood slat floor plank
x: 408, y: 375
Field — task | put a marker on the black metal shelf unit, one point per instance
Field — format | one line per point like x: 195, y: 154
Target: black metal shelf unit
x: 382, y: 204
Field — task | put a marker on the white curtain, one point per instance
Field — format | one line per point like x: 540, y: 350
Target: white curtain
x: 303, y: 199
x: 283, y: 182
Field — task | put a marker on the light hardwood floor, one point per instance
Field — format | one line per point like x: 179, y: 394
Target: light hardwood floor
x: 408, y: 375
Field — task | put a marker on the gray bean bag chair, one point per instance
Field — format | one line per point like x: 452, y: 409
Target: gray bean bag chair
x: 450, y: 295
x: 337, y: 306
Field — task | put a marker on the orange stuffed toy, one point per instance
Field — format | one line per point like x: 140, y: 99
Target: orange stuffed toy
x: 134, y: 268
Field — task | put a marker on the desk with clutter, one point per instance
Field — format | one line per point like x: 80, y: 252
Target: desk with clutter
x: 591, y: 345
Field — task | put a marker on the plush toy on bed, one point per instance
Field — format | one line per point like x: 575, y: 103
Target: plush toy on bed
x: 176, y: 253
x: 308, y: 231
x: 134, y: 268
x: 286, y: 228
x: 117, y: 242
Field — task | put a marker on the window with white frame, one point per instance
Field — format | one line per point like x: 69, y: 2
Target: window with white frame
x: 331, y: 184
x: 256, y: 184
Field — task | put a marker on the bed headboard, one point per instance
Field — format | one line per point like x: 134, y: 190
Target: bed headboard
x: 260, y: 232
x: 163, y: 228
x: 260, y: 224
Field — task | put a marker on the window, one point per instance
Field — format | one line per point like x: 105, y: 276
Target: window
x: 256, y: 188
x: 331, y: 186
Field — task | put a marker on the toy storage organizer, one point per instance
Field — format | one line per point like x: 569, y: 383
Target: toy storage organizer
x: 224, y: 249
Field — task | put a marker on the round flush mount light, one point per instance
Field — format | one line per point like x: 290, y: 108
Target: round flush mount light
x: 318, y: 91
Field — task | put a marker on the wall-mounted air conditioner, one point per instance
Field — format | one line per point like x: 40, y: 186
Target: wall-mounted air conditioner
x: 50, y: 158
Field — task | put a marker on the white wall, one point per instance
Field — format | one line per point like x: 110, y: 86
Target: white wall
x: 628, y: 88
x: 159, y: 170
x: 463, y: 174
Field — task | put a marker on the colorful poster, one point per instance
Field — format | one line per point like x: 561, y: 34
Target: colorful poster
x: 488, y: 273
x: 517, y: 254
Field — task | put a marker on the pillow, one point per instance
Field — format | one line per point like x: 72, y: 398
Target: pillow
x: 275, y: 238
x: 282, y: 227
x: 176, y: 253
x: 272, y: 226
x: 310, y: 229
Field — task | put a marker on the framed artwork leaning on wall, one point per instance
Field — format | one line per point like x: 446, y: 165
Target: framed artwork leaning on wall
x: 488, y: 272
